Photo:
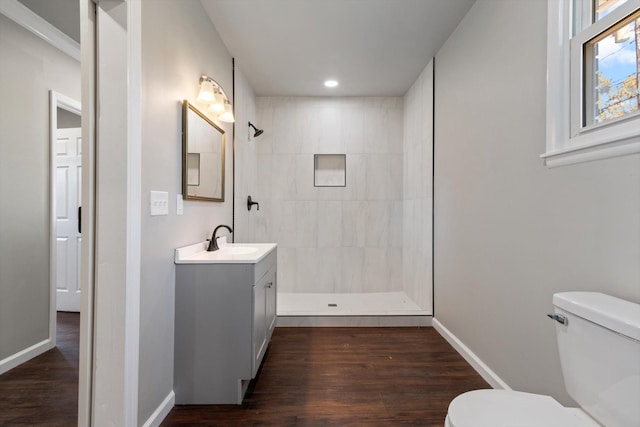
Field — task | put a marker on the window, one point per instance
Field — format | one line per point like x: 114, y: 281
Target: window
x: 593, y: 95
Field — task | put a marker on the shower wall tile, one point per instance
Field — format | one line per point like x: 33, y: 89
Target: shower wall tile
x: 304, y: 177
x: 245, y: 171
x: 330, y: 120
x: 329, y: 224
x: 395, y: 140
x: 417, y: 191
x: 286, y: 269
x: 328, y: 270
x: 356, y: 177
x: 287, y: 130
x: 394, y: 260
x: 376, y: 270
x: 395, y: 225
x: 354, y: 224
x: 378, y: 173
x: 368, y: 236
x: 352, y: 270
x: 283, y: 172
x: 306, y: 270
x: 259, y: 224
x: 330, y: 229
x: 264, y: 178
x: 265, y: 120
x: 352, y: 134
x: 306, y: 224
x: 378, y: 224
x: 394, y: 184
x: 282, y: 223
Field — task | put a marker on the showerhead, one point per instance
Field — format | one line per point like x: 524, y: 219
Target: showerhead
x: 257, y: 132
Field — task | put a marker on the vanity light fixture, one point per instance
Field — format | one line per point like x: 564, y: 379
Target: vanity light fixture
x: 211, y: 93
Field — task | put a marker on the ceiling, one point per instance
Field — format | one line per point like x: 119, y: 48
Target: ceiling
x: 290, y: 47
x: 372, y: 47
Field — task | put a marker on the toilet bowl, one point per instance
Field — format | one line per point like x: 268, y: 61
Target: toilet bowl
x: 506, y: 408
x: 599, y: 348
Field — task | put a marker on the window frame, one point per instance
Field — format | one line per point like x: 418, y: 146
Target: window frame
x: 568, y: 142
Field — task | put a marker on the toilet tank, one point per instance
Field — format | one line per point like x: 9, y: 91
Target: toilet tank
x: 600, y: 355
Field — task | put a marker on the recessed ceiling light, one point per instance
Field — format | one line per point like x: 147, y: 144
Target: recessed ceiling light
x: 331, y: 83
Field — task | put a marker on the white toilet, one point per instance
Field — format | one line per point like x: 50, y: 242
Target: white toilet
x: 599, y: 344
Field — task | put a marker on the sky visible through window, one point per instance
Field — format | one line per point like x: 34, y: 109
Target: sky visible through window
x: 616, y: 66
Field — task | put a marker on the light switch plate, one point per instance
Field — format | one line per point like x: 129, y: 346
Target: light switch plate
x: 179, y: 204
x: 159, y: 203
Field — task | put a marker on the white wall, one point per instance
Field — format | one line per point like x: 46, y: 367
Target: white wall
x: 331, y: 239
x: 417, y: 203
x: 508, y: 231
x: 179, y: 44
x: 29, y: 68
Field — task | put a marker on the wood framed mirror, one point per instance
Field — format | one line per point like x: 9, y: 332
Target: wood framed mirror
x: 203, y: 144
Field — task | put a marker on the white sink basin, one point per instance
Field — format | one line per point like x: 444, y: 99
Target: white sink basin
x: 238, y: 250
x: 249, y: 253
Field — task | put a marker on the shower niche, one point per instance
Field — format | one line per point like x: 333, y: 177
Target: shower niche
x: 329, y: 170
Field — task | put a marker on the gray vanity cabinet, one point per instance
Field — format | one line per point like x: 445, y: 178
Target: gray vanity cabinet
x: 225, y: 315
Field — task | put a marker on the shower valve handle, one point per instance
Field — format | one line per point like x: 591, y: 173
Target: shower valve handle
x: 251, y: 203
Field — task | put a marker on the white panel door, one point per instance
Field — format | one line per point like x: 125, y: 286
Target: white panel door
x: 68, y: 178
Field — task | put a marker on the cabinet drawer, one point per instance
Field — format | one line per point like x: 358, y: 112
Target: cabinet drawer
x: 263, y: 266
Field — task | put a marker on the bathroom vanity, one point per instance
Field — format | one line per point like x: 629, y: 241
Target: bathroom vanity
x: 225, y: 315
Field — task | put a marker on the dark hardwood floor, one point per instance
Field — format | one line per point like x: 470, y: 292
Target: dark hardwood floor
x: 44, y: 390
x: 346, y: 377
x: 310, y: 377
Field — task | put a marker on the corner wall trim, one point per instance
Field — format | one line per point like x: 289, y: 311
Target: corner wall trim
x: 161, y: 411
x: 481, y: 368
x: 28, y: 353
x: 23, y: 16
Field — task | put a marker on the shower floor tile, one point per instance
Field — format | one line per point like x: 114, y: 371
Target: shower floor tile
x: 348, y: 304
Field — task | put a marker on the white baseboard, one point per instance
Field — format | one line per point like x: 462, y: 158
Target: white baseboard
x: 161, y: 411
x: 29, y: 353
x: 481, y: 368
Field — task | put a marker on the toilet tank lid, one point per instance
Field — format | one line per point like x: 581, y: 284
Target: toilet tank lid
x: 610, y: 312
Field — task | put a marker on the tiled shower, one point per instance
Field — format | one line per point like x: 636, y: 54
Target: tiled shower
x: 362, y: 248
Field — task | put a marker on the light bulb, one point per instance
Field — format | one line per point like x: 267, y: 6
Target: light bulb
x: 227, y: 116
x: 218, y: 103
x: 206, y: 91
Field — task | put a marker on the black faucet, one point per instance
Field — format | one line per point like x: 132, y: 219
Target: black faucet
x: 213, y: 243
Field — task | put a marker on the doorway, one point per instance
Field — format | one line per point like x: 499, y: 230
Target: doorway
x: 66, y: 177
x: 36, y: 264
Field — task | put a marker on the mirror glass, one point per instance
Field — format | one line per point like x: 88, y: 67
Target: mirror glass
x: 202, y: 156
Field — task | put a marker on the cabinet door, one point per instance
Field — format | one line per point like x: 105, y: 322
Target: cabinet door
x: 271, y: 301
x: 259, y: 322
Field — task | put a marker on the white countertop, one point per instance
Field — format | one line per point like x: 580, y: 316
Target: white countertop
x: 229, y: 253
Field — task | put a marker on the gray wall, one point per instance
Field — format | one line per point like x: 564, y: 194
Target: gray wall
x: 29, y: 68
x: 179, y: 44
x: 508, y: 231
